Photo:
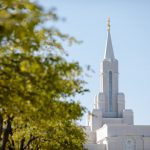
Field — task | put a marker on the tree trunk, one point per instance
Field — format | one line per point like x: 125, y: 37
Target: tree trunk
x: 7, y: 131
x: 1, y: 126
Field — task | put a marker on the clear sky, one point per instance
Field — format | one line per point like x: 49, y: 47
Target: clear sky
x: 130, y: 31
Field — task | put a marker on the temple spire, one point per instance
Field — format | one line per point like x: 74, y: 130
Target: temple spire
x: 109, y: 54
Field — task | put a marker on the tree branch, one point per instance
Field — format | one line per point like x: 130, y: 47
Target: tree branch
x: 32, y: 138
x: 22, y: 143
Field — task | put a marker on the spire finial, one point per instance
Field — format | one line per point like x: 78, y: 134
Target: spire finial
x: 108, y: 24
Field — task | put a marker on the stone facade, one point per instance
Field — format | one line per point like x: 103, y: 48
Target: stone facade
x: 110, y: 125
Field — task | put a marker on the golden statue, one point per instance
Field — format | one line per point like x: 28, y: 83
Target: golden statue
x: 108, y: 24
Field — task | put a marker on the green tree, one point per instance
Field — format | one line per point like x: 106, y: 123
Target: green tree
x: 36, y: 82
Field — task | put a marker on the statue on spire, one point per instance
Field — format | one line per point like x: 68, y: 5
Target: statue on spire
x: 108, y: 24
x: 109, y: 48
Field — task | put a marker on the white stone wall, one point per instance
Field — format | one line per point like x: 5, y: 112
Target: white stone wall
x: 128, y: 117
x: 96, y: 119
x: 101, y: 134
x: 121, y: 104
x: 112, y: 120
x: 101, y: 102
x: 113, y: 143
x: 127, y: 130
x: 146, y: 141
x: 122, y: 143
x: 95, y: 146
x: 91, y: 137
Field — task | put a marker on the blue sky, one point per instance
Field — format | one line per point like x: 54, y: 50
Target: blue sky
x: 130, y: 31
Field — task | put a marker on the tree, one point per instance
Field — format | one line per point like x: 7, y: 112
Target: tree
x: 36, y: 81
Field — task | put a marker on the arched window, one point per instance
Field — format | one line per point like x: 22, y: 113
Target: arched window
x: 110, y: 90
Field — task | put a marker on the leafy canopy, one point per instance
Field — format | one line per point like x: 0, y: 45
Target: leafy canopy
x: 37, y: 82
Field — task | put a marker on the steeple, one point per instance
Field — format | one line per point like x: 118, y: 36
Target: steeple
x: 109, y: 54
x: 109, y: 80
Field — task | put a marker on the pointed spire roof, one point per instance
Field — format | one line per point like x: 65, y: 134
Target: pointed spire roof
x: 109, y: 54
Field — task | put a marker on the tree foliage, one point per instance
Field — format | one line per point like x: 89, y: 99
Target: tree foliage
x: 37, y: 82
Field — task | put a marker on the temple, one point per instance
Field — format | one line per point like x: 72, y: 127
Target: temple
x: 111, y: 125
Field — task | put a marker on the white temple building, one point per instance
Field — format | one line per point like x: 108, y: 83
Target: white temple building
x: 111, y: 125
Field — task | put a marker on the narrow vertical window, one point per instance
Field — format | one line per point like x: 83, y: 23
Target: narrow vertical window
x: 110, y: 90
